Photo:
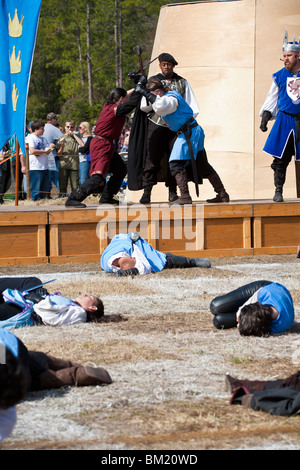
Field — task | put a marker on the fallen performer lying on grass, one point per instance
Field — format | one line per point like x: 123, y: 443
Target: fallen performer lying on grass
x: 32, y: 307
x: 259, y: 308
x: 129, y: 254
x: 23, y: 371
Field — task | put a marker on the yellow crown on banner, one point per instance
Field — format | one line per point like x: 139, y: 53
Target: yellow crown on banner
x: 15, y: 62
x: 14, y: 97
x: 15, y: 27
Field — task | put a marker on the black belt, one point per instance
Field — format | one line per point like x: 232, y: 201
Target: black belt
x: 297, y: 122
x: 186, y: 129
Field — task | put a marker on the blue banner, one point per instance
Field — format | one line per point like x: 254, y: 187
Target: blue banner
x: 18, y: 29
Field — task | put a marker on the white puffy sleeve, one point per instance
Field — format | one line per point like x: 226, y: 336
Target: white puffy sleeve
x: 57, y: 315
x: 164, y: 105
x: 271, y: 101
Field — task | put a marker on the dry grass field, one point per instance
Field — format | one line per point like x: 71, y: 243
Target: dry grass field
x: 167, y: 362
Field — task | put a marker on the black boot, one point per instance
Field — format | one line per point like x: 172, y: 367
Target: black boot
x: 76, y: 197
x: 111, y: 189
x: 279, y: 167
x: 184, y: 262
x: 182, y: 183
x: 84, y: 190
x: 146, y: 197
x: 218, y: 186
x: 279, y: 180
x: 173, y: 196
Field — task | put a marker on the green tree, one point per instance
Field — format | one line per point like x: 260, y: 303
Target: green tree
x: 83, y: 50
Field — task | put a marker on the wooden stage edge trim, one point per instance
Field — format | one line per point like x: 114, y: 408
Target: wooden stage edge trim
x: 56, y: 234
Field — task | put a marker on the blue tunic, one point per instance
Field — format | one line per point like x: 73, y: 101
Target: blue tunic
x: 10, y: 341
x: 279, y: 297
x: 175, y: 121
x: 123, y: 243
x: 288, y: 104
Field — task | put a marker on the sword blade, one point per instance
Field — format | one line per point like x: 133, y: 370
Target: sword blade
x: 39, y: 285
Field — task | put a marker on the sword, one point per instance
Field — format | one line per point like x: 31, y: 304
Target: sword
x: 138, y: 50
x: 39, y: 285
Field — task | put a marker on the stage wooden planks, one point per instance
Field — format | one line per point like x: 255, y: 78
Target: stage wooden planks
x: 23, y: 235
x: 55, y: 234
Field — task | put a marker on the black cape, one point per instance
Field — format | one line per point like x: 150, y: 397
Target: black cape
x: 275, y: 401
x: 137, y: 150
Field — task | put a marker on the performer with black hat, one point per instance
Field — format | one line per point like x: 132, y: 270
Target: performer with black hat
x: 160, y: 138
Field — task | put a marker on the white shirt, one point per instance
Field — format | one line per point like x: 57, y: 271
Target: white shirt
x: 51, y: 133
x: 142, y: 264
x: 38, y: 162
x: 83, y: 157
x: 189, y: 97
x: 58, y: 315
x: 165, y: 105
x: 271, y: 101
x: 251, y: 300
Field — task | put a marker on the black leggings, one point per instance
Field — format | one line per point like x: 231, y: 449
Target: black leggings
x: 224, y: 307
x: 8, y: 310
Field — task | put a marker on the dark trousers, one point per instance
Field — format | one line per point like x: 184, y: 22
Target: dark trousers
x: 160, y: 141
x: 118, y: 170
x: 8, y: 310
x: 204, y: 168
x: 225, y: 307
x: 281, y: 164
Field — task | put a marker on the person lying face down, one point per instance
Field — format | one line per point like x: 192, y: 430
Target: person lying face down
x: 130, y: 254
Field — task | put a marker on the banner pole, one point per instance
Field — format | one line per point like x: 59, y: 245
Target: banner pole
x: 27, y: 174
x: 17, y: 172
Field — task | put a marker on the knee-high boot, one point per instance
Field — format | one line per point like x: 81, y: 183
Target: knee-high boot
x: 279, y: 180
x: 146, y: 197
x: 84, y: 190
x: 74, y: 376
x: 173, y: 191
x: 55, y: 363
x: 184, y: 262
x: 232, y: 384
x: 182, y: 183
x: 218, y: 186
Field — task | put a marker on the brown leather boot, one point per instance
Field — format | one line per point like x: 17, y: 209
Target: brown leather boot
x: 232, y: 384
x: 78, y: 375
x: 56, y: 364
x: 182, y: 183
x: 92, y: 376
x: 218, y: 186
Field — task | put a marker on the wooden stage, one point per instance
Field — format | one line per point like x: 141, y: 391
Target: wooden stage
x: 56, y: 234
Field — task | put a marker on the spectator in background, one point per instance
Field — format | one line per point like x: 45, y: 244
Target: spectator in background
x: 68, y: 159
x: 52, y: 133
x: 39, y: 150
x: 83, y: 139
x: 5, y: 172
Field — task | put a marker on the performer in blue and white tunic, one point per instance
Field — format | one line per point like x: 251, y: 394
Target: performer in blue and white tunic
x: 283, y: 105
x: 188, y: 149
x: 130, y: 254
